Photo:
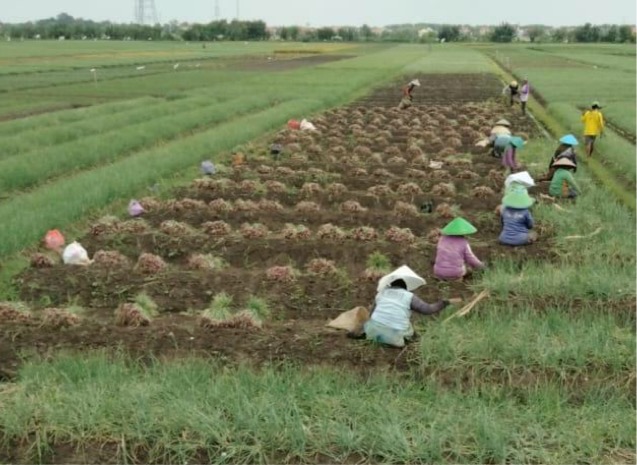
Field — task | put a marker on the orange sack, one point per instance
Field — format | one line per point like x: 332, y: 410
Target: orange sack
x: 54, y: 240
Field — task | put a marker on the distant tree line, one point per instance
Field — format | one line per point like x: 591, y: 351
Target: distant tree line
x: 68, y: 27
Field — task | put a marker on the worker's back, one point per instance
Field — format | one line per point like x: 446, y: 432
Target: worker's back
x: 393, y: 308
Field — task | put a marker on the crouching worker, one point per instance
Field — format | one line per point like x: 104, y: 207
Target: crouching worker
x: 407, y: 94
x: 516, y: 218
x: 454, y: 253
x: 390, y: 320
x: 563, y: 183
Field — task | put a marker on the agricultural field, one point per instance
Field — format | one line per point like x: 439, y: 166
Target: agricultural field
x: 198, y: 334
x: 566, y: 79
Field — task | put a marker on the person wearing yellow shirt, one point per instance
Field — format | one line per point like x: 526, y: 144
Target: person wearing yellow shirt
x: 593, y: 126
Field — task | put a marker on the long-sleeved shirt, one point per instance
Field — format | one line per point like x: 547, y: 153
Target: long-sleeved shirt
x: 562, y: 182
x: 564, y: 151
x: 508, y: 159
x: 393, y: 307
x: 525, y: 90
x: 516, y: 223
x: 593, y: 122
x: 452, y: 256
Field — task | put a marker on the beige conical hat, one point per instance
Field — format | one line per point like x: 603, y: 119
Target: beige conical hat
x: 564, y: 162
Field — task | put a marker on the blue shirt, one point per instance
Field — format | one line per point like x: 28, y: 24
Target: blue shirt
x: 516, y: 223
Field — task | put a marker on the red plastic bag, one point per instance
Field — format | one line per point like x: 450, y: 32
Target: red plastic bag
x: 54, y: 240
x: 294, y: 124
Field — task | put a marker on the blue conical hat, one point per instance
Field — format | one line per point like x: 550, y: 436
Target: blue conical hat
x: 569, y: 139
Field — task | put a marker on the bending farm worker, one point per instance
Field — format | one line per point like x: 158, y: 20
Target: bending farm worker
x: 407, y: 93
x: 389, y: 322
x: 565, y: 149
x: 525, y: 92
x: 516, y: 218
x: 513, y: 90
x: 499, y: 137
x: 454, y: 253
x: 563, y: 183
x: 509, y: 160
x: 593, y: 126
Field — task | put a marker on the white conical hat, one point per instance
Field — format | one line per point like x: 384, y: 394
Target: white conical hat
x: 415, y: 82
x: 405, y: 273
x: 522, y: 177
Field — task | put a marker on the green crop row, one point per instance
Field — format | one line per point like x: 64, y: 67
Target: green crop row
x: 27, y: 216
x: 14, y: 127
x: 193, y: 410
x: 30, y: 141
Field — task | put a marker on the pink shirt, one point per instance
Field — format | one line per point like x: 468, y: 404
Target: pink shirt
x: 452, y: 254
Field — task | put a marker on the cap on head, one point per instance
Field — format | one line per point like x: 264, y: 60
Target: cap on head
x: 595, y: 104
x: 564, y: 163
x: 569, y: 139
x: 459, y: 227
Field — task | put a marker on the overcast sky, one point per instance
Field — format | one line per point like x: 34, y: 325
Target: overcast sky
x: 338, y: 12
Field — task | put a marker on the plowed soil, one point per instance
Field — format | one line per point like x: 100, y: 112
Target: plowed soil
x: 366, y: 145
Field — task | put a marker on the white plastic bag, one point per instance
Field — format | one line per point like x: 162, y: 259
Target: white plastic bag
x: 75, y: 254
x: 307, y: 126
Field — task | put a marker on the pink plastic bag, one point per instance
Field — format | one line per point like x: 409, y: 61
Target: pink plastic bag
x: 135, y: 208
x: 54, y: 240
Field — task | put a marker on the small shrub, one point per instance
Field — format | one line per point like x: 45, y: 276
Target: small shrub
x: 218, y: 314
x: 296, y: 232
x: 405, y: 209
x: 331, y: 232
x: 307, y: 207
x: 110, y: 259
x: 175, y: 228
x: 400, y: 235
x: 58, y: 318
x: 105, y: 225
x: 216, y: 228
x: 282, y: 274
x: 221, y: 206
x: 275, y: 187
x: 254, y: 230
x: 321, y: 267
x: 148, y: 263
x: 40, y: 260
x: 444, y: 189
x: 410, y: 189
x: 482, y: 192
x: 206, y: 262
x: 352, y: 206
x: 364, y: 233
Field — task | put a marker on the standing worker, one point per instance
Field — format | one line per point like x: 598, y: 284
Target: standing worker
x: 407, y: 94
x: 593, y: 126
x: 525, y: 92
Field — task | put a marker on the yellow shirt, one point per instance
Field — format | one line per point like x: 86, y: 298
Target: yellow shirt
x: 593, y: 122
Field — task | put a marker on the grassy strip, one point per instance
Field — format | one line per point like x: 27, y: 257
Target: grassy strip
x: 190, y: 410
x: 59, y: 118
x: 28, y: 216
x: 600, y: 267
x: 32, y: 168
x: 28, y: 141
x: 599, y: 171
x: 514, y: 340
x: 612, y: 149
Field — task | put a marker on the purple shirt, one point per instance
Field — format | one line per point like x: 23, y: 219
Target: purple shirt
x: 508, y: 159
x: 451, y: 256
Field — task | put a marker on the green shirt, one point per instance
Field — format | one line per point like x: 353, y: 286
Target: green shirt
x: 562, y: 181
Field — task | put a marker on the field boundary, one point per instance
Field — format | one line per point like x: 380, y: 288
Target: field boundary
x: 600, y: 172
